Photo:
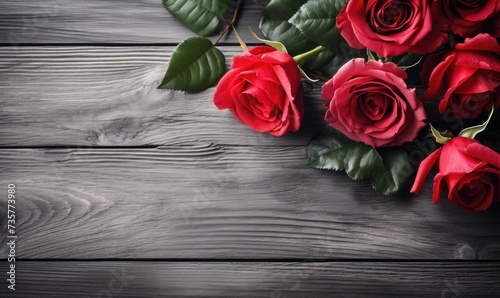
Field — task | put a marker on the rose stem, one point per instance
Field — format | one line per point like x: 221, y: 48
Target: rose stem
x: 309, y: 54
x: 230, y: 24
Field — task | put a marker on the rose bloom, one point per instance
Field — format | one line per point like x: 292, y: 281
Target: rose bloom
x: 468, y: 18
x: 391, y: 28
x: 468, y: 76
x: 263, y: 90
x: 369, y: 102
x: 470, y: 170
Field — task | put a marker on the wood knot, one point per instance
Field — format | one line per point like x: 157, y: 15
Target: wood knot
x: 465, y: 252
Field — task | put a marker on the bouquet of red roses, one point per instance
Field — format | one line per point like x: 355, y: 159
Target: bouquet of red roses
x: 397, y: 78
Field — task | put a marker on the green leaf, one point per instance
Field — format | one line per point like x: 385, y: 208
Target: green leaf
x: 275, y: 26
x: 391, y: 176
x: 196, y: 64
x: 319, y: 60
x: 331, y: 150
x: 201, y: 16
x: 343, y: 55
x: 316, y: 19
x: 388, y: 170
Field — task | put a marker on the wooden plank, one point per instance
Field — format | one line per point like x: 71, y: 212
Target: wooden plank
x: 224, y: 202
x: 180, y: 279
x: 103, y: 22
x: 108, y: 96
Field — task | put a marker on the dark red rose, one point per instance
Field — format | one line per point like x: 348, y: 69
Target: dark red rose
x: 468, y: 18
x: 369, y: 102
x: 263, y: 90
x: 470, y: 170
x: 391, y: 27
x: 468, y: 76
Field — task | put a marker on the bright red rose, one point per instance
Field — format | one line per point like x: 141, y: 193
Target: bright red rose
x: 468, y: 18
x: 369, y: 102
x: 468, y: 76
x: 263, y: 90
x: 391, y: 27
x: 470, y: 170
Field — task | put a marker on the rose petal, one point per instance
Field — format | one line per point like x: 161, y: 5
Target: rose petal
x: 455, y: 76
x: 458, y: 160
x: 222, y: 94
x: 424, y: 169
x: 478, y: 60
x: 479, y: 151
x: 345, y: 28
x: 435, y: 86
x: 327, y: 90
x: 437, y: 188
x: 479, y: 201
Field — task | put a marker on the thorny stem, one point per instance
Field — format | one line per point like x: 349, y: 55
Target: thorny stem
x: 229, y: 25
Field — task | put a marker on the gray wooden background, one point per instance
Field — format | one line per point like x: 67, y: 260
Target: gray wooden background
x: 129, y: 191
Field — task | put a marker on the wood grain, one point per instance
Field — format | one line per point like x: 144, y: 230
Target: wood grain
x: 108, y: 96
x: 201, y: 186
x: 225, y: 202
x: 104, y: 22
x: 254, y: 279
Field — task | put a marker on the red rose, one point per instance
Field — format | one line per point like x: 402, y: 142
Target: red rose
x: 471, y: 171
x: 391, y: 27
x: 468, y: 18
x: 468, y: 76
x: 263, y: 90
x: 369, y: 102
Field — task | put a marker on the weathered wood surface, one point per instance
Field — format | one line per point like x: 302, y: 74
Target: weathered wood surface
x: 104, y: 22
x: 108, y: 167
x: 225, y: 202
x: 255, y: 279
x: 108, y: 96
